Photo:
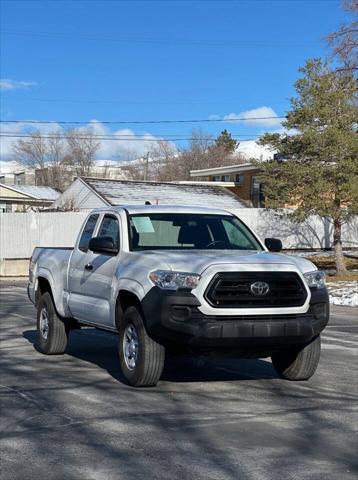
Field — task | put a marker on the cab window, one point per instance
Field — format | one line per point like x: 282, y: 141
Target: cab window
x: 110, y: 228
x: 88, y: 232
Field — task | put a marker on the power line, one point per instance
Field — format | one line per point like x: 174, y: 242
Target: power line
x: 121, y: 102
x: 163, y: 41
x: 132, y: 122
x: 101, y: 137
x: 119, y: 135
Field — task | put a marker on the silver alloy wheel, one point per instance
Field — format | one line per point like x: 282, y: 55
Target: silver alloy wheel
x: 44, y: 325
x: 130, y: 346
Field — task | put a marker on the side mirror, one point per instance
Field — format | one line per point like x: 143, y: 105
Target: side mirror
x: 102, y: 245
x: 273, y: 244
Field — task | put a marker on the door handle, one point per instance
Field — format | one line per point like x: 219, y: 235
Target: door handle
x: 89, y: 266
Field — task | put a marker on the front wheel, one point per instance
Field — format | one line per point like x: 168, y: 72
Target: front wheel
x: 298, y: 364
x: 52, y: 333
x: 141, y: 358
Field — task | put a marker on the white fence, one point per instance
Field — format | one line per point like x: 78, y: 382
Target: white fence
x: 315, y: 232
x: 20, y: 233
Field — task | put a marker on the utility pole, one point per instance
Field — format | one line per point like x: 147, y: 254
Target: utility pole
x: 146, y: 158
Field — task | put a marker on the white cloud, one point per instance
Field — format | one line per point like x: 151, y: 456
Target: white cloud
x: 261, y: 116
x: 122, y: 144
x: 8, y: 84
x: 252, y: 149
x: 10, y: 130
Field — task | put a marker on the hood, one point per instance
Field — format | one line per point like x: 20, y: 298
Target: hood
x: 196, y: 261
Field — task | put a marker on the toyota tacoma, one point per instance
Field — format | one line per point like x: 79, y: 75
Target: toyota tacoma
x: 166, y: 278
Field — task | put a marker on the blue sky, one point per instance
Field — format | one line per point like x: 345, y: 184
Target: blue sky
x: 154, y: 60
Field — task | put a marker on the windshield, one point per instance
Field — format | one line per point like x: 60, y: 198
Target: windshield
x: 178, y: 231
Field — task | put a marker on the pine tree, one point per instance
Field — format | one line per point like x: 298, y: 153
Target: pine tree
x: 319, y: 172
x: 226, y: 142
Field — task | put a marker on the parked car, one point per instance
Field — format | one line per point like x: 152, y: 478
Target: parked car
x: 165, y: 278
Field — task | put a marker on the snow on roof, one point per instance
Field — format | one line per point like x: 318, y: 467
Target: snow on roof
x: 121, y: 192
x: 40, y: 193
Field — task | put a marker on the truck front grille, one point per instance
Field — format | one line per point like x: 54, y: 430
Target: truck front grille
x: 235, y: 290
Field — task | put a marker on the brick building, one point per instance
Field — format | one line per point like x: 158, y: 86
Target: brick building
x: 239, y: 179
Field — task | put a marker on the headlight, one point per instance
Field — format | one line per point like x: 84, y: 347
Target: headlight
x: 169, y: 280
x: 315, y: 279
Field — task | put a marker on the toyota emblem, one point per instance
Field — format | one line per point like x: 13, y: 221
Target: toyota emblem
x: 259, y: 289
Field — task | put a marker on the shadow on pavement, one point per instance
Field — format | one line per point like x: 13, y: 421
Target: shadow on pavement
x: 100, y: 348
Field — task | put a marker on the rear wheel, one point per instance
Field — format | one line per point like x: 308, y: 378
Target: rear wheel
x: 298, y: 364
x: 141, y: 357
x: 52, y: 334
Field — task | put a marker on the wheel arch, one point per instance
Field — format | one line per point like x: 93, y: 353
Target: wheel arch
x: 126, y: 299
x: 43, y: 286
x: 44, y: 283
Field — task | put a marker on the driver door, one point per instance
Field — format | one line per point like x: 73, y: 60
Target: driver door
x: 77, y: 300
x: 99, y: 279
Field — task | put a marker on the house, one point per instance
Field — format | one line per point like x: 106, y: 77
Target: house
x: 100, y: 169
x: 87, y: 193
x: 18, y: 177
x: 242, y: 180
x: 21, y: 198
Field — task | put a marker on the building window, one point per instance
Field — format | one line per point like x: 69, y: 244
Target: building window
x: 239, y: 179
x: 225, y: 178
x: 19, y: 179
x: 5, y: 208
x: 257, y: 196
x: 215, y: 178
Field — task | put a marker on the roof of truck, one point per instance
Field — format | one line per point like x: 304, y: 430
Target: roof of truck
x: 138, y: 209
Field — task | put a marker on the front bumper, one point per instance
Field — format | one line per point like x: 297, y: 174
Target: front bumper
x: 174, y: 317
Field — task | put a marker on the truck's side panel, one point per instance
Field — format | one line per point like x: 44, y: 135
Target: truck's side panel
x: 51, y: 265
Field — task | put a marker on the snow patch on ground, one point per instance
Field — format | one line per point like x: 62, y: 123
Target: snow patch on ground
x: 343, y: 293
x: 320, y: 253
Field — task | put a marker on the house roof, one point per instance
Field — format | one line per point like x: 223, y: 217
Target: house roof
x: 34, y: 191
x: 244, y: 167
x: 121, y: 192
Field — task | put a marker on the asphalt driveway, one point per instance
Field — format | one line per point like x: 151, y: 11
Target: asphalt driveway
x: 71, y: 416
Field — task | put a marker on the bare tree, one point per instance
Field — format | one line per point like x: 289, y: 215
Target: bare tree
x: 344, y: 41
x: 82, y: 148
x: 56, y: 153
x: 127, y: 153
x: 57, y: 157
x: 31, y: 152
x: 203, y: 152
x: 44, y: 154
x: 163, y: 156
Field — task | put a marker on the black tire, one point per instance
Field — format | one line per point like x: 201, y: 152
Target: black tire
x: 298, y: 364
x: 143, y: 365
x: 52, y: 334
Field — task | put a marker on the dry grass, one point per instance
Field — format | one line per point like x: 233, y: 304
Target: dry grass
x: 326, y: 262
x: 349, y: 277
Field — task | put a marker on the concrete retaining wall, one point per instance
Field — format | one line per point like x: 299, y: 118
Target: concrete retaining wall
x: 14, y: 267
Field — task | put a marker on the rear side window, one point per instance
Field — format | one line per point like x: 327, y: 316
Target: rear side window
x: 88, y: 232
x: 110, y: 228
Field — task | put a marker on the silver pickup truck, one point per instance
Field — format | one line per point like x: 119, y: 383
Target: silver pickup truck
x: 166, y: 278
